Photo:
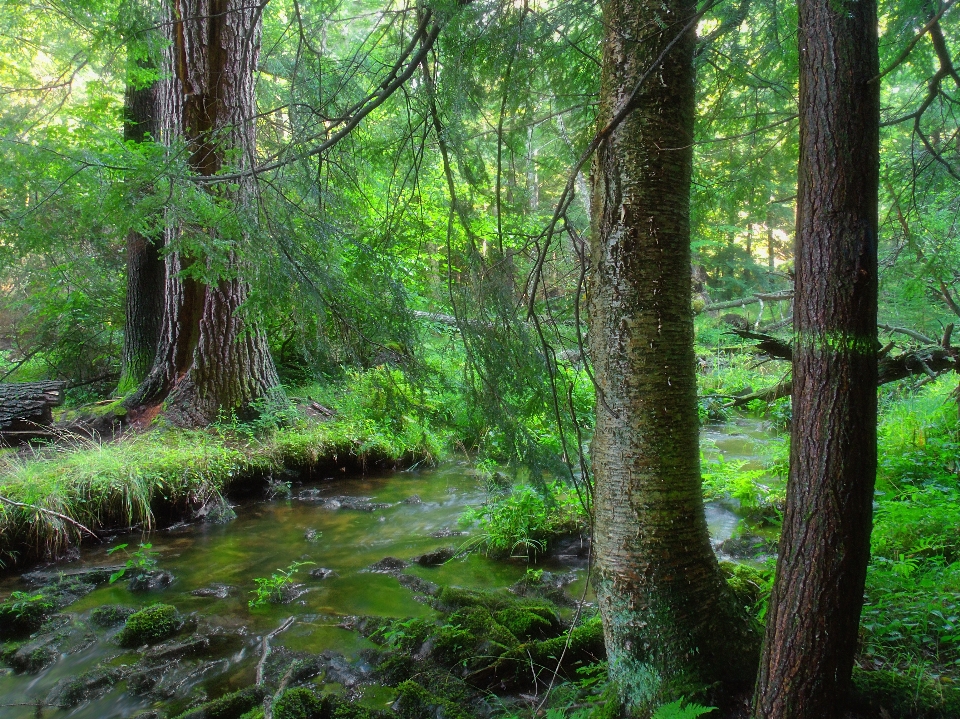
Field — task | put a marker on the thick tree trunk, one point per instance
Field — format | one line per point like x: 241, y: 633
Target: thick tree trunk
x: 824, y: 548
x: 145, y: 266
x: 210, y: 361
x: 670, y: 624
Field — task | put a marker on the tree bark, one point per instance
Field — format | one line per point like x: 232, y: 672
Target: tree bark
x: 670, y: 623
x: 815, y: 607
x: 145, y: 266
x: 211, y: 360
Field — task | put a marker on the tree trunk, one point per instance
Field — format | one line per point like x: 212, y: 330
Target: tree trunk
x: 670, y: 624
x: 210, y: 361
x: 145, y: 266
x: 815, y: 607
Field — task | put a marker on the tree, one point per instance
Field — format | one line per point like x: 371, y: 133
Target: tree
x: 814, y: 612
x: 670, y: 623
x: 210, y: 358
x: 145, y: 264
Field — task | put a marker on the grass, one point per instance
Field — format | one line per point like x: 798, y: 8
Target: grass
x: 170, y: 472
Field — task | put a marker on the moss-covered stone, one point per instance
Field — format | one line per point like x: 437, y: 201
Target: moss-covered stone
x: 524, y: 622
x: 229, y: 706
x: 150, y: 625
x: 470, y: 636
x: 512, y: 668
x: 414, y: 701
x: 893, y: 694
x: 749, y: 584
x: 86, y: 686
x: 299, y: 703
x: 23, y: 613
x: 110, y: 615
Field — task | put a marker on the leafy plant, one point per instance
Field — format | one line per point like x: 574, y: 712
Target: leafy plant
x: 681, y: 710
x: 271, y: 589
x: 142, y: 561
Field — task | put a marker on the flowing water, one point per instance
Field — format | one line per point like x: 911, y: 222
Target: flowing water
x: 414, y: 513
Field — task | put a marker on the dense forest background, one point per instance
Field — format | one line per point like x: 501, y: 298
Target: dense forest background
x: 399, y: 237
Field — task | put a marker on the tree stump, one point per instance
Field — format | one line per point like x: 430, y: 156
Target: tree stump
x: 26, y: 409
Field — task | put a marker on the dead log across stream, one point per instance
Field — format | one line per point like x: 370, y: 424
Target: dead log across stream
x: 26, y: 408
x: 931, y: 360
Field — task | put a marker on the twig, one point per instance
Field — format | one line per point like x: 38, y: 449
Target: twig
x: 268, y: 701
x: 916, y: 38
x: 64, y: 517
x: 265, y: 647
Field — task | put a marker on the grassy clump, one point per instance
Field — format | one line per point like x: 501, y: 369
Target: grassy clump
x: 150, y: 625
x: 122, y: 483
x: 522, y: 521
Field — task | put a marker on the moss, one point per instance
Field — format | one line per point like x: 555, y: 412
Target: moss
x: 451, y: 598
x: 150, y: 625
x: 512, y: 668
x: 110, y: 615
x: 523, y: 622
x: 298, y: 703
x: 897, y: 695
x: 471, y: 635
x: 229, y: 706
x: 414, y: 701
x: 749, y: 584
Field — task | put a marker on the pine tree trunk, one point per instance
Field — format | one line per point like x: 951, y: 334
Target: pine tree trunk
x: 145, y: 266
x: 211, y: 360
x: 824, y: 548
x: 670, y: 624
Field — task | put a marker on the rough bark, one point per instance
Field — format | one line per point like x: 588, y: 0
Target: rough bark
x: 25, y: 408
x: 670, y: 624
x: 211, y: 360
x: 145, y: 266
x: 824, y: 547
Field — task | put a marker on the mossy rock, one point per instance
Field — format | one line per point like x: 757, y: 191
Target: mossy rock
x: 903, y: 697
x: 414, y: 701
x: 525, y: 623
x: 110, y: 615
x: 749, y: 584
x: 149, y: 626
x: 299, y: 703
x: 23, y: 613
x: 86, y: 686
x: 471, y: 635
x: 229, y: 706
x: 512, y: 669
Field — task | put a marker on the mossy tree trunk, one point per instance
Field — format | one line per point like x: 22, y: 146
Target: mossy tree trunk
x: 211, y: 360
x: 145, y: 265
x: 671, y: 625
x: 814, y: 613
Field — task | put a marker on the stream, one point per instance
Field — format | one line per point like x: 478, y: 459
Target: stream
x: 341, y: 525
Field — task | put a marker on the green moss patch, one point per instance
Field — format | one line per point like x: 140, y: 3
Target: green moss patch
x: 229, y: 706
x: 150, y: 625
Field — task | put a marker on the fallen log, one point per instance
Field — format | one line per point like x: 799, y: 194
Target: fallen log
x: 26, y: 408
x: 930, y: 360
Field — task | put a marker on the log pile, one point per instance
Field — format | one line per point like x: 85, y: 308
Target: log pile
x: 26, y: 409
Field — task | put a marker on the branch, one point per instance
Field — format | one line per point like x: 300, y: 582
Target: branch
x: 913, y: 43
x: 909, y: 333
x: 743, y: 302
x: 265, y: 646
x: 64, y: 517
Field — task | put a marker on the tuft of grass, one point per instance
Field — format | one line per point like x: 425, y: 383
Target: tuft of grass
x: 126, y: 482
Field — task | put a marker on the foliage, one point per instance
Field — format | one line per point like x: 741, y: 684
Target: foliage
x: 140, y: 562
x: 681, y: 709
x: 522, y: 521
x: 273, y: 588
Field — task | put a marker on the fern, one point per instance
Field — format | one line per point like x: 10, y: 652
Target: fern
x: 674, y: 710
